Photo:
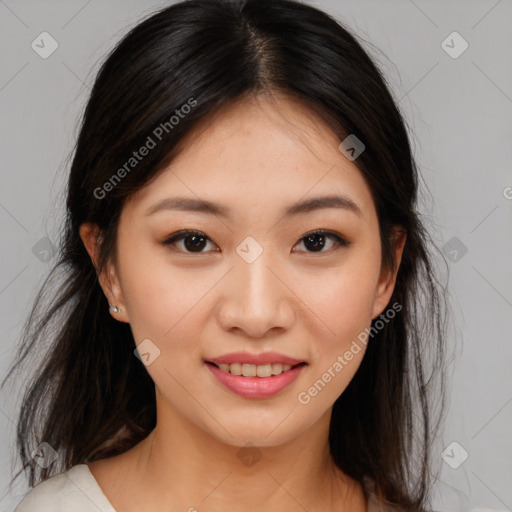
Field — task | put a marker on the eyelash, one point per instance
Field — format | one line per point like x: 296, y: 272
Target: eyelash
x: 181, y: 235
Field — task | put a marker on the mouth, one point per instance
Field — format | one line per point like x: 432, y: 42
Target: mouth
x: 255, y: 370
x: 255, y: 381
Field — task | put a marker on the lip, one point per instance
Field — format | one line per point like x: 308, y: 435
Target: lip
x: 248, y: 358
x: 256, y: 387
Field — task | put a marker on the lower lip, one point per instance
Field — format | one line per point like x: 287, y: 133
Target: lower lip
x: 255, y: 387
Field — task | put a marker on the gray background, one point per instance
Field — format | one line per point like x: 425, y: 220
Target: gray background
x: 460, y: 114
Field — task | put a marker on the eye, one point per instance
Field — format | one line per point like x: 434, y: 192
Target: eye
x: 194, y: 241
x: 317, y: 240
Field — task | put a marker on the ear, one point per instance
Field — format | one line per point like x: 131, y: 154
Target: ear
x: 108, y: 279
x: 387, y: 278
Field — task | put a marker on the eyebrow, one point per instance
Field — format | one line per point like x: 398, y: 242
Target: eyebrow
x: 204, y: 206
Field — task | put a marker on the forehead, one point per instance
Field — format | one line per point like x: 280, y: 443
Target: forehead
x: 258, y: 153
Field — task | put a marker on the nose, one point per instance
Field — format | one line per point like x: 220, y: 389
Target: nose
x: 256, y: 299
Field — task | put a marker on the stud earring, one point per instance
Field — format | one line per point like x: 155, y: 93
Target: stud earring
x: 114, y: 309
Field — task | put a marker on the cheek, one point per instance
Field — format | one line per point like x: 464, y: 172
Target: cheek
x: 159, y: 298
x: 341, y: 302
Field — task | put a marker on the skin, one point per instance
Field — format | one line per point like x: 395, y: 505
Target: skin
x: 255, y: 159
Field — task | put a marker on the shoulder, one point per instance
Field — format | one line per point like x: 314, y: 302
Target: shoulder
x: 71, y: 491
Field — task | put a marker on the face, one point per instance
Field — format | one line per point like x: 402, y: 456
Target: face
x: 252, y: 276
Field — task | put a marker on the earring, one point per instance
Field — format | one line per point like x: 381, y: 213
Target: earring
x: 114, y: 309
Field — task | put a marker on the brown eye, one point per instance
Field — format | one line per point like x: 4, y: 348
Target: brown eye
x: 193, y: 241
x: 317, y: 240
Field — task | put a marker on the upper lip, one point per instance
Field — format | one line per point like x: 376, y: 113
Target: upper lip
x: 257, y: 359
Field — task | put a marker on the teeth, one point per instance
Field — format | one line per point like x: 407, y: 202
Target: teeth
x: 253, y: 370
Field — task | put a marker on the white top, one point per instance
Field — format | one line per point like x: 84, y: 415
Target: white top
x: 76, y: 490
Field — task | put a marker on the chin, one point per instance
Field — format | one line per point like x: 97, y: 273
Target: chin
x: 263, y: 434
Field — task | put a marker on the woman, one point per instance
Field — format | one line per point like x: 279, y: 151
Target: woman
x: 248, y: 298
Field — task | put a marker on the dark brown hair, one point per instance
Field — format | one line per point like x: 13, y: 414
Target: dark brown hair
x: 90, y: 397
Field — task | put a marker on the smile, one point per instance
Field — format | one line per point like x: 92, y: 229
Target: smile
x: 255, y: 370
x: 255, y: 381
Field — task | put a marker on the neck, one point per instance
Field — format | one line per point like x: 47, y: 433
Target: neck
x: 185, y: 468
